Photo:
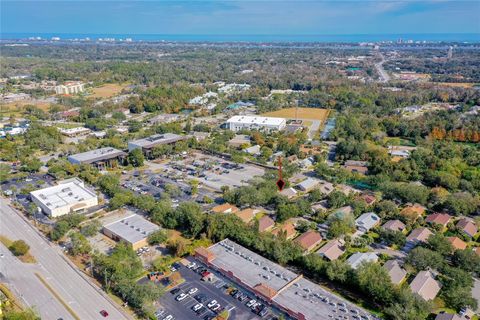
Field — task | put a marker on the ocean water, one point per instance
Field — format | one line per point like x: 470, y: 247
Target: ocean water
x: 347, y: 38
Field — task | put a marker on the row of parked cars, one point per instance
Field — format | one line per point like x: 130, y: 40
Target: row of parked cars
x: 203, y: 302
x: 256, y: 306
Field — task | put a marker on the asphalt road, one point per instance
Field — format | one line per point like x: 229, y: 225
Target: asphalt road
x: 20, y: 278
x: 384, y: 77
x: 83, y: 297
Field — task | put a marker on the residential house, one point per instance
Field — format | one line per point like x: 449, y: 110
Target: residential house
x: 308, y: 240
x: 369, y: 199
x: 395, y: 271
x: 457, y: 243
x: 413, y: 212
x: 225, y: 208
x: 425, y: 285
x: 287, y: 229
x: 356, y: 259
x: 394, y: 225
x: 265, y: 223
x: 308, y: 184
x: 332, y: 250
x: 477, y: 251
x: 417, y: 236
x: 200, y: 136
x: 253, y: 150
x: 321, y: 206
x: 347, y: 190
x: 441, y: 219
x: 239, y: 140
x: 289, y: 193
x: 367, y: 221
x: 326, y: 187
x: 356, y: 166
x: 467, y: 226
x: 246, y: 215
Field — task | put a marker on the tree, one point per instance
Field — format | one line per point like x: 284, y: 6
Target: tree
x: 136, y: 158
x: 19, y: 248
x: 193, y: 186
x: 462, y: 203
x: 422, y: 258
x: 91, y: 229
x: 31, y: 164
x: 120, y: 199
x: 177, y: 247
x: 80, y: 244
x: 373, y: 279
x: 390, y: 237
x: 338, y: 270
x: 438, y: 243
x: 157, y: 237
x: 4, y: 171
x: 337, y: 199
x: 467, y: 260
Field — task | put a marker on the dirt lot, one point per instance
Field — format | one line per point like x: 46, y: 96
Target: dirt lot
x: 107, y: 90
x: 302, y: 113
x: 455, y: 84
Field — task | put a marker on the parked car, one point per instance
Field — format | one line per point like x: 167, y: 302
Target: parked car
x: 192, y: 291
x: 181, y: 296
x: 197, y: 307
x: 175, y: 291
x: 250, y: 303
x: 212, y: 303
x: 104, y: 313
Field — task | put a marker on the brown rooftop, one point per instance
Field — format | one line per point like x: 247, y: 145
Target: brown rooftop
x: 467, y: 226
x: 265, y: 290
x: 265, y: 223
x: 394, y: 225
x: 225, y: 208
x: 246, y: 215
x: 309, y: 240
x: 419, y: 234
x: 438, y: 218
x: 288, y: 229
x: 332, y: 250
x: 457, y: 243
x: 425, y: 285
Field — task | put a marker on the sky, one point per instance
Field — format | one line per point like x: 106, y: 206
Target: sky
x: 267, y: 17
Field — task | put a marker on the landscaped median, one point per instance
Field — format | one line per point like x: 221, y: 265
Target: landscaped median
x: 19, y: 249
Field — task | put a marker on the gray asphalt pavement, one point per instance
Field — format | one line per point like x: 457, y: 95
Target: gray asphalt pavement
x: 20, y: 278
x: 83, y: 297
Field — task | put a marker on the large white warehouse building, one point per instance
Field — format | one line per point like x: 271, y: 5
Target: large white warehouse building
x: 237, y: 123
x: 69, y: 196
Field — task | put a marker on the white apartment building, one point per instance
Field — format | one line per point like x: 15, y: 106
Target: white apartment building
x: 70, y: 88
x: 68, y: 196
x: 237, y: 123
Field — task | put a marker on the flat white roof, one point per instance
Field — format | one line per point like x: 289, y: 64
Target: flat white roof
x: 63, y: 194
x: 97, y: 155
x: 152, y: 141
x: 132, y: 229
x: 257, y: 120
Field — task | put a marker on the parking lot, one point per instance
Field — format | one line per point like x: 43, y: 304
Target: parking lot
x: 211, y: 171
x: 218, y: 289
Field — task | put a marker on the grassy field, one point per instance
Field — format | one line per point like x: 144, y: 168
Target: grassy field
x: 107, y: 90
x: 302, y: 113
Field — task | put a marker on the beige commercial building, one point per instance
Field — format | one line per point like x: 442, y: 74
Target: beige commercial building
x: 69, y: 196
x: 133, y: 229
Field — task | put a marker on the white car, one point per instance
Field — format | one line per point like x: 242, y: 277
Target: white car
x: 192, y: 291
x: 169, y: 317
x: 215, y: 307
x: 250, y: 303
x: 191, y: 265
x: 197, y: 307
x: 181, y: 296
x: 212, y: 303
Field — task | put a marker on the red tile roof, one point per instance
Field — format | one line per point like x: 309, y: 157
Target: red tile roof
x: 457, y: 243
x: 467, y: 226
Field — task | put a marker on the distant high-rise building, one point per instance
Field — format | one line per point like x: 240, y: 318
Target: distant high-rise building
x: 450, y: 52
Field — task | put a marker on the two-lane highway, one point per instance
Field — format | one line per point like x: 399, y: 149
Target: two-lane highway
x: 84, y: 298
